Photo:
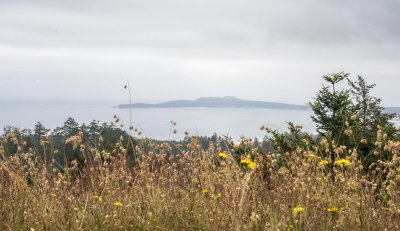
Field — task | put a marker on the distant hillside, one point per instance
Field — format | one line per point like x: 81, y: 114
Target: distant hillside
x: 220, y: 102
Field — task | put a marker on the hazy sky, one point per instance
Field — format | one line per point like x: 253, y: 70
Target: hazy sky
x: 272, y: 50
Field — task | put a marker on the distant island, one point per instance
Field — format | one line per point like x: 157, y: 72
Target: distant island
x: 218, y: 102
x: 229, y: 102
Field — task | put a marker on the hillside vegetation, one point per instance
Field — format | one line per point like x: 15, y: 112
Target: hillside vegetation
x: 345, y: 178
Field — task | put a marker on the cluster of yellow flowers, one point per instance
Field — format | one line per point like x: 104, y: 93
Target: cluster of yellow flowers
x: 118, y: 204
x: 100, y: 199
x: 333, y: 210
x: 299, y: 209
x: 249, y: 163
x: 222, y: 155
x: 97, y: 198
x: 342, y: 162
x: 311, y: 155
x: 323, y: 163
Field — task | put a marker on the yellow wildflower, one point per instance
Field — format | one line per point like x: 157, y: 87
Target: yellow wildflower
x: 311, y: 155
x: 96, y: 198
x: 333, y: 210
x: 222, y: 155
x: 252, y: 165
x: 298, y: 209
x: 342, y: 162
x: 205, y: 191
x: 118, y: 204
x: 249, y: 163
x: 323, y: 163
x: 245, y: 161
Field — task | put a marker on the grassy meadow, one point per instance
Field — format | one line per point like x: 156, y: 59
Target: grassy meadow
x: 198, y: 190
x: 346, y: 178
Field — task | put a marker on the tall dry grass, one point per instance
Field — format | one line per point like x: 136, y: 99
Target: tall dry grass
x: 196, y: 190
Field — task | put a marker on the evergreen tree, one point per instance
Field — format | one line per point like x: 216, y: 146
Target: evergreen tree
x: 26, y: 138
x: 39, y: 132
x: 93, y: 132
x: 370, y: 118
x: 369, y: 110
x: 331, y: 109
x: 70, y: 128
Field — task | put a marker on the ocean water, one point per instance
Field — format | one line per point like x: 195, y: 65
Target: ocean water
x: 155, y: 122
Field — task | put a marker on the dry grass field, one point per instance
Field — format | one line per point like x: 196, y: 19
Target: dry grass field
x: 198, y: 189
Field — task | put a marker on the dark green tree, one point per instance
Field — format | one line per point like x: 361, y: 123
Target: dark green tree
x: 370, y: 118
x: 332, y: 107
x: 368, y: 108
x: 70, y: 127
x: 39, y: 132
x: 93, y: 132
x: 26, y: 138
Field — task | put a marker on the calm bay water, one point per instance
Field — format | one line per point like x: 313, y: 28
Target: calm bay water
x: 155, y: 122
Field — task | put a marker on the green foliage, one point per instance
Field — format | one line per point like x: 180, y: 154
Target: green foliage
x: 290, y: 141
x: 368, y: 109
x: 331, y: 108
x: 39, y: 132
x: 369, y: 120
x: 54, y: 145
x: 351, y: 115
x: 345, y: 116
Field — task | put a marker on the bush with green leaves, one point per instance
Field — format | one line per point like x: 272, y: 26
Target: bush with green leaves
x: 346, y: 115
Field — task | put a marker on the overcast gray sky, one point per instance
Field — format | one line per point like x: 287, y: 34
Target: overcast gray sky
x: 272, y: 50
